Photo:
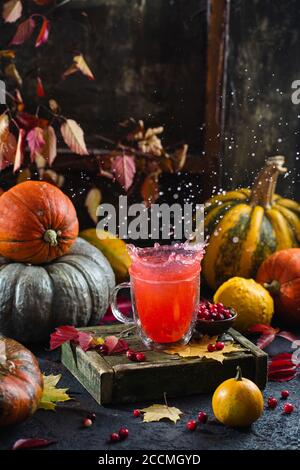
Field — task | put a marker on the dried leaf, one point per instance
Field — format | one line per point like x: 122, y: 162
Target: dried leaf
x: 265, y: 340
x: 36, y: 142
x: 19, y: 100
x: 54, y: 178
x: 111, y: 342
x: 8, y: 54
x: 123, y: 167
x: 24, y: 175
x: 92, y: 202
x: 24, y: 31
x: 49, y: 150
x: 44, y: 33
x: 53, y: 105
x: 12, y: 73
x: 199, y: 349
x: 288, y: 336
x: 19, y: 152
x: 79, y: 65
x: 43, y: 2
x: 51, y: 394
x: 8, y: 144
x: 62, y: 335
x: 281, y: 368
x: 29, y: 121
x: 31, y: 443
x: 84, y: 340
x: 74, y: 137
x: 12, y: 10
x: 159, y: 412
x: 179, y: 157
x: 269, y: 334
x: 263, y: 329
x: 150, y: 189
x: 40, y: 88
x: 151, y: 145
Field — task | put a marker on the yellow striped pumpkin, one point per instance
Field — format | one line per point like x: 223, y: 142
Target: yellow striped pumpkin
x: 246, y: 226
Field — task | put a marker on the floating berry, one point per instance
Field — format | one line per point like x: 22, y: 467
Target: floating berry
x: 202, y: 417
x: 136, y: 413
x: 123, y: 433
x: 288, y: 408
x: 87, y: 423
x: 285, y: 394
x: 140, y: 357
x: 211, y: 347
x: 102, y: 349
x: 272, y: 402
x: 114, y: 437
x: 131, y: 355
x: 219, y: 345
x: 191, y: 425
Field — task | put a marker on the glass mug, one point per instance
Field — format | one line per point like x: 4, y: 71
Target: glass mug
x: 165, y: 285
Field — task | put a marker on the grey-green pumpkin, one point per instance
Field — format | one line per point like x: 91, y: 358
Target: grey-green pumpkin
x: 72, y: 290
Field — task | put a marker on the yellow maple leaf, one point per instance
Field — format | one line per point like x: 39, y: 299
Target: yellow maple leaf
x: 199, y: 349
x: 98, y: 340
x: 158, y: 412
x: 51, y: 394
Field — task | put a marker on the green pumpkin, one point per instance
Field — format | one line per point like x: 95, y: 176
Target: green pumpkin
x: 246, y: 226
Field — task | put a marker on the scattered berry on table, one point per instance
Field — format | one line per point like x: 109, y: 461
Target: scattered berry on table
x: 285, y: 394
x: 140, y: 357
x: 114, y: 437
x: 123, y: 433
x: 87, y: 422
x: 191, y: 425
x: 219, y: 345
x: 272, y: 402
x: 288, y: 408
x: 211, y: 347
x: 136, y: 413
x: 202, y: 417
x: 131, y: 355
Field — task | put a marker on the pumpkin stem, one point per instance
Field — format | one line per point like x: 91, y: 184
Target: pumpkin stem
x: 265, y: 183
x: 273, y: 287
x: 50, y: 237
x: 238, y: 376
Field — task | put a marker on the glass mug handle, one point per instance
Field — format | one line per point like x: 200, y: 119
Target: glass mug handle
x: 114, y: 304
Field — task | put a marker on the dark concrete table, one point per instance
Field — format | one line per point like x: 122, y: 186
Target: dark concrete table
x: 273, y: 431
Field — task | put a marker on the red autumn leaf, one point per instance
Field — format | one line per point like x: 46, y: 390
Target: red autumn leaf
x: 36, y: 142
x: 84, y: 340
x: 124, y: 170
x: 121, y: 346
x: 43, y: 34
x: 12, y: 10
x: 40, y: 88
x: 29, y: 121
x: 24, y: 31
x: 61, y: 335
x: 31, y: 443
x: 289, y: 336
x: 265, y: 340
x: 115, y: 345
x: 50, y: 149
x: 43, y: 2
x: 281, y: 368
x: 263, y: 329
x: 20, y: 150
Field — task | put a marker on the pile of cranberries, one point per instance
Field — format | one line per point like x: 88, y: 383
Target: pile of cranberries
x: 214, y: 312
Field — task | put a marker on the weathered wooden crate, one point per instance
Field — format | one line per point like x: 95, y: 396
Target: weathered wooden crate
x: 114, y: 379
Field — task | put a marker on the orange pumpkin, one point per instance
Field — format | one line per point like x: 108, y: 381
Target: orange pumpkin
x: 21, y: 382
x: 280, y: 274
x: 38, y: 223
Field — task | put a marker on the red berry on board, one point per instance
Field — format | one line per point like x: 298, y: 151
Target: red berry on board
x: 202, y: 417
x: 123, y: 433
x: 219, y: 345
x: 114, y: 437
x: 87, y: 423
x: 131, y: 355
x: 211, y: 347
x: 272, y: 402
x: 140, y: 357
x: 191, y: 425
x: 285, y: 394
x: 102, y: 349
x: 288, y: 408
x: 136, y: 413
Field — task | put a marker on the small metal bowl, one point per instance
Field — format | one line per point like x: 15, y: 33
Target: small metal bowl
x: 215, y: 327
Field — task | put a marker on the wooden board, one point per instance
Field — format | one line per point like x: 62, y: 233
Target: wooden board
x: 114, y: 379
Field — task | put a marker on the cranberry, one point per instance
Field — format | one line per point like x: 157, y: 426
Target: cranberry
x: 202, y: 417
x: 123, y: 433
x: 272, y: 402
x: 220, y: 307
x: 136, y: 413
x: 191, y: 425
x: 102, y: 349
x: 140, y: 357
x: 131, y: 355
x: 206, y: 315
x: 227, y: 314
x: 114, y: 437
x: 219, y: 345
x: 288, y: 408
x: 285, y: 394
x: 87, y: 423
x: 211, y: 347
